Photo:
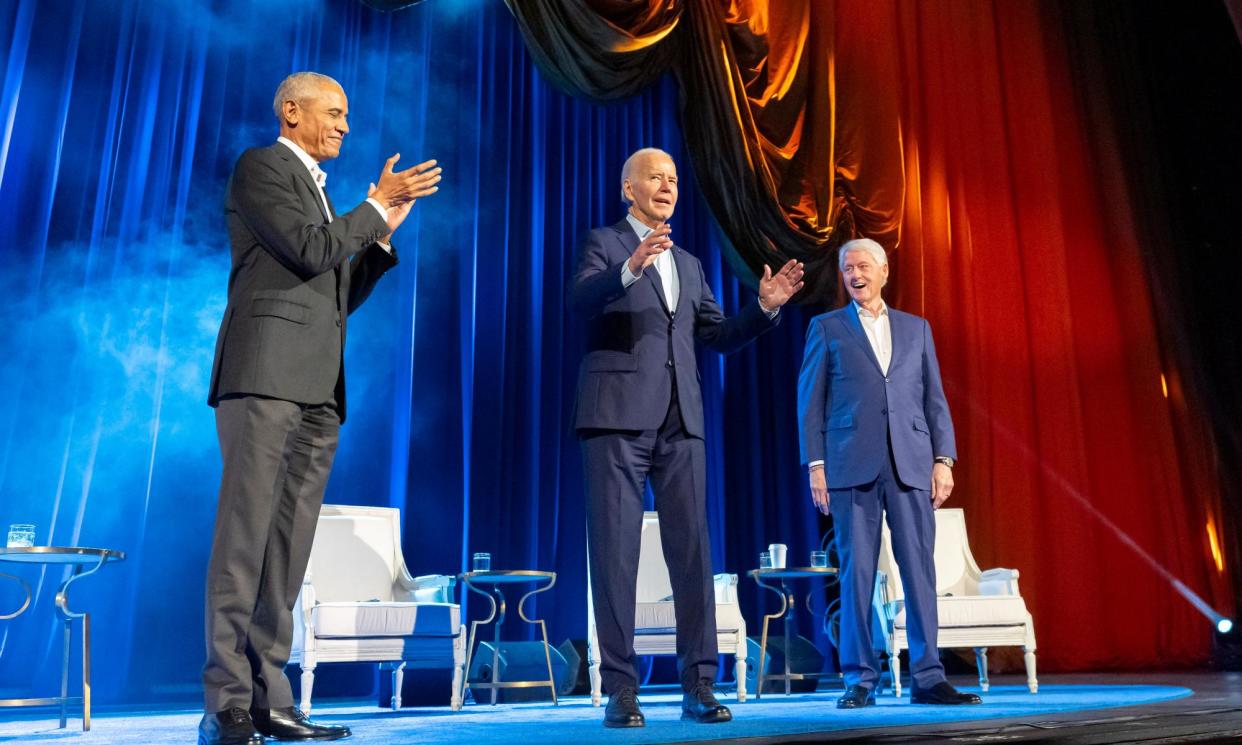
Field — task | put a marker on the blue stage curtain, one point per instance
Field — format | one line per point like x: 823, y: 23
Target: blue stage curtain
x: 121, y: 122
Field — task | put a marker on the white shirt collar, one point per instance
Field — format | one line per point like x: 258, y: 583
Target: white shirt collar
x: 863, y: 312
x: 316, y: 172
x: 640, y: 227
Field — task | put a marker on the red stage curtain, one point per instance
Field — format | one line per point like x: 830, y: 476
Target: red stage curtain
x: 957, y: 133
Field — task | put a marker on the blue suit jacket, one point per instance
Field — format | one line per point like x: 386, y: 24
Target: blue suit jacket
x: 633, y: 340
x: 847, y: 406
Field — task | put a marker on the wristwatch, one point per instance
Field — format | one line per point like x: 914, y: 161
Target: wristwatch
x: 944, y: 460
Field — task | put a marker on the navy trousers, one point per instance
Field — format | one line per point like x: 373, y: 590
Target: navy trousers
x: 618, y: 465
x: 856, y: 515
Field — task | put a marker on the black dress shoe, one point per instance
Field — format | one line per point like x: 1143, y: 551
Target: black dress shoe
x: 228, y: 727
x: 856, y: 697
x: 623, y: 710
x: 290, y: 723
x: 701, y: 705
x: 943, y: 694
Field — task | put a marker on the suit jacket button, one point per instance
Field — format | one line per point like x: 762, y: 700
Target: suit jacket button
x: 884, y: 411
x: 338, y: 323
x: 887, y: 380
x: 668, y: 364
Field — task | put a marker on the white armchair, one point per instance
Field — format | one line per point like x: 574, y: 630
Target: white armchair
x: 976, y: 609
x: 655, y: 625
x: 358, y: 603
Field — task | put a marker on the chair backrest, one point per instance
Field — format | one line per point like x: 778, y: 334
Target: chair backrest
x: 956, y: 570
x: 653, y: 582
x: 357, y: 553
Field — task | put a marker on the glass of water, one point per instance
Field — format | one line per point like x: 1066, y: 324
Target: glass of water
x: 765, y: 560
x: 21, y: 535
x: 482, y: 562
x: 819, y: 559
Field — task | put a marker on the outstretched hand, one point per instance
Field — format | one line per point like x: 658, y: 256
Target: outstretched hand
x: 775, y: 290
x: 398, y: 187
x: 396, y: 215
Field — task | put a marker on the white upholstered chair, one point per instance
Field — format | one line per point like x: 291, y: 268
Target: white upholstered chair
x: 978, y: 609
x: 655, y: 625
x: 358, y: 603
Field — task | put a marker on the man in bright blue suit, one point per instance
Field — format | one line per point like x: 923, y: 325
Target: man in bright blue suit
x: 876, y: 438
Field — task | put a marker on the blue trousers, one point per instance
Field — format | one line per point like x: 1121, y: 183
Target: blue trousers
x: 856, y: 515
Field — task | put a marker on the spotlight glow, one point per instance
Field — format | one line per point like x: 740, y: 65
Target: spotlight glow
x: 1224, y: 625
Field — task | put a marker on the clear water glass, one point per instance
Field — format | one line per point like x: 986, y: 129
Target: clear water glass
x: 765, y: 560
x: 819, y: 559
x: 21, y: 535
x: 482, y: 562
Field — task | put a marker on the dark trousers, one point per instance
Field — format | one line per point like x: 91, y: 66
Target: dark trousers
x: 618, y: 465
x: 856, y: 516
x: 277, y: 456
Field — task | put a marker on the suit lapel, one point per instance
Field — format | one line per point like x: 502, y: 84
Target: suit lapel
x: 301, y: 172
x: 849, y: 317
x: 629, y: 241
x: 897, y: 327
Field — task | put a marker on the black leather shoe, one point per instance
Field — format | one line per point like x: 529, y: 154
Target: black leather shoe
x: 942, y: 694
x: 856, y: 697
x: 290, y: 723
x: 228, y: 727
x: 701, y: 705
x: 623, y: 710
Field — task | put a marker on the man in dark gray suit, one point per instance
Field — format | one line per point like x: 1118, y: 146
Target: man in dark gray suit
x: 278, y: 385
x: 639, y: 416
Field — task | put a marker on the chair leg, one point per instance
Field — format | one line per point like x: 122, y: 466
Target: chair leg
x: 894, y: 666
x: 597, y: 684
x: 739, y: 674
x: 981, y: 661
x: 308, y: 682
x: 1032, y: 684
x: 398, y: 678
x: 459, y: 670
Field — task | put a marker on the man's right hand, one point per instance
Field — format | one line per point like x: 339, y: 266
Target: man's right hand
x: 397, y: 188
x: 656, y: 243
x: 819, y: 489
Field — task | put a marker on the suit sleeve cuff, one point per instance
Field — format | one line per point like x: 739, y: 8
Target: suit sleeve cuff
x: 814, y: 464
x: 627, y: 277
x: 383, y: 212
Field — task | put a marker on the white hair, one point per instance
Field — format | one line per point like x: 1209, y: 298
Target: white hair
x: 862, y: 244
x: 630, y: 162
x: 299, y: 88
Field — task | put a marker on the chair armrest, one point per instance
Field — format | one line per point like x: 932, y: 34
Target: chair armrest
x: 999, y: 582
x: 726, y: 588
x: 429, y: 588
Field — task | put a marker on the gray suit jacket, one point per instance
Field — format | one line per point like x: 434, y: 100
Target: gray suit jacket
x: 295, y: 278
x: 633, y: 341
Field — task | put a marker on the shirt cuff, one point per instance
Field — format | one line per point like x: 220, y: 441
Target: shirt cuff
x: 814, y: 463
x: 375, y: 203
x: 771, y: 314
x: 627, y: 277
x: 386, y: 246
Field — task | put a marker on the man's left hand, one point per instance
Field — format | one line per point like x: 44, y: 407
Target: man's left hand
x: 396, y: 215
x: 942, y: 484
x: 775, y: 290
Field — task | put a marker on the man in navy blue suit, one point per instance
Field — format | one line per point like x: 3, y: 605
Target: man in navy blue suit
x: 876, y: 433
x: 639, y: 416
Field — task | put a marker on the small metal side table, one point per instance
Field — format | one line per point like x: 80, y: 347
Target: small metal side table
x: 471, y: 581
x: 787, y: 604
x: 85, y: 561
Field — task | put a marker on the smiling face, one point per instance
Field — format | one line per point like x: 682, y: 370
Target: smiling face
x: 317, y: 123
x: 650, y: 185
x: 863, y: 276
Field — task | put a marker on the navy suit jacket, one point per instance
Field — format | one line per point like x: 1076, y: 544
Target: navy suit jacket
x: 847, y: 406
x: 295, y: 279
x: 633, y: 341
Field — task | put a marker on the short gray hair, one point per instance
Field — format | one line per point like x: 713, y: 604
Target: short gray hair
x: 862, y: 244
x: 629, y: 165
x: 299, y: 87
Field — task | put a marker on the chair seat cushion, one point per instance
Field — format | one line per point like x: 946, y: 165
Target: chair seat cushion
x: 974, y: 610
x: 349, y: 620
x: 660, y: 618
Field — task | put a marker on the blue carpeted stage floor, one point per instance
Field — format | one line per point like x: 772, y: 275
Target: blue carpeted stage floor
x: 576, y: 721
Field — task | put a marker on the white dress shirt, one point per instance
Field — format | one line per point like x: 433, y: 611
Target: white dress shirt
x: 880, y: 335
x: 321, y: 178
